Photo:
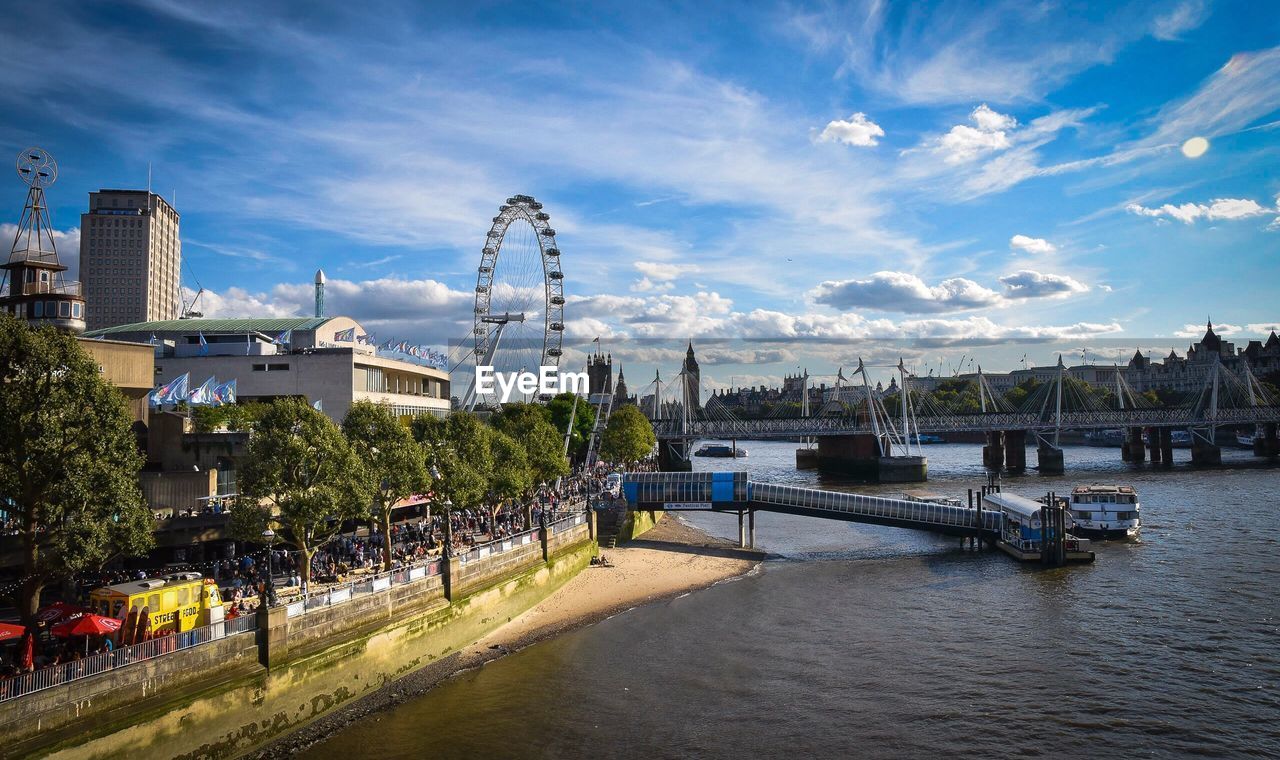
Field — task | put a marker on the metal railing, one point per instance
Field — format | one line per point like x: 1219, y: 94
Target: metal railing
x: 95, y: 664
x: 370, y: 584
x: 922, y: 513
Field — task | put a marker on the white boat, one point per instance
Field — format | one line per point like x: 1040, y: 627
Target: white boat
x: 1245, y: 441
x: 1105, y: 511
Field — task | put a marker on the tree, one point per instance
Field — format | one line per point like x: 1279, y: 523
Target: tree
x: 561, y: 408
x: 393, y: 462
x: 299, y: 474
x: 511, y: 475
x: 530, y: 424
x: 456, y: 478
x: 628, y: 437
x: 69, y: 461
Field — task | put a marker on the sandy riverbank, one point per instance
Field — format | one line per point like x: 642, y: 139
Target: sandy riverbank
x: 672, y: 559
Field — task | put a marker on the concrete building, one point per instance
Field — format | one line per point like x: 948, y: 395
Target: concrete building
x: 130, y: 258
x: 326, y: 360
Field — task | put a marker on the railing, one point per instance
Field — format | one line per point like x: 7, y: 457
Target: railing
x: 370, y: 584
x: 95, y: 664
x: 40, y: 288
x: 925, y: 514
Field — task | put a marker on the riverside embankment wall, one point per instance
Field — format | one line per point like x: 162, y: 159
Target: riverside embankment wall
x: 637, y: 523
x: 224, y: 698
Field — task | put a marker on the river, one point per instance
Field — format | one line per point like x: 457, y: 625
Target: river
x: 866, y: 641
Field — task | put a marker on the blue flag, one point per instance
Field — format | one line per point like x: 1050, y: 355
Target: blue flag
x: 204, y: 345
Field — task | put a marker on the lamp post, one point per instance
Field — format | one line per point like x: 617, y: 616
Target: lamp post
x: 448, y: 527
x: 270, y: 589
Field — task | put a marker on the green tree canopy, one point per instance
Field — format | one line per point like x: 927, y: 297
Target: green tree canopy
x: 457, y: 479
x: 530, y: 424
x: 629, y: 436
x: 394, y: 464
x: 561, y: 409
x: 301, y: 477
x: 69, y: 461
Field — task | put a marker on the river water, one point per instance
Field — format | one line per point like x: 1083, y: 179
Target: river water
x: 867, y: 641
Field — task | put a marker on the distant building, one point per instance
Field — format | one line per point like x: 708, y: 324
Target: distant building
x: 130, y: 258
x: 692, y: 380
x: 1190, y: 373
x: 620, y: 397
x: 600, y: 374
x: 324, y: 360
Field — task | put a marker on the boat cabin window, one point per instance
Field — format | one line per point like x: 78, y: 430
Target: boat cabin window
x: 183, y: 597
x: 153, y: 602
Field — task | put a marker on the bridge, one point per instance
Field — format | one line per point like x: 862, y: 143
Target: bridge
x: 734, y: 492
x: 868, y: 433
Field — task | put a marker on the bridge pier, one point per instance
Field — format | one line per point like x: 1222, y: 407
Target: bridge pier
x: 673, y: 455
x: 1015, y: 450
x: 1133, y: 449
x: 1049, y: 460
x: 993, y: 452
x: 856, y: 455
x: 806, y: 458
x: 751, y: 529
x: 1165, y: 446
x: 1269, y: 444
x: 1204, y: 454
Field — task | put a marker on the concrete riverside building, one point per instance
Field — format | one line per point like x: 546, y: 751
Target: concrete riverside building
x: 130, y: 258
x: 324, y: 360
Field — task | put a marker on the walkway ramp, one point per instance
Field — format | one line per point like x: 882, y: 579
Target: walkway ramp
x: 735, y: 492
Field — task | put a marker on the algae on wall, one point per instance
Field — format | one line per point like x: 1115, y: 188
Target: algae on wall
x: 638, y: 523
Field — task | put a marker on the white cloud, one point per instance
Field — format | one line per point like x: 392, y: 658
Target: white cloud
x: 964, y: 143
x: 664, y: 271
x: 1228, y: 209
x: 1197, y: 331
x: 1030, y: 284
x: 1031, y: 245
x: 904, y: 292
x: 1262, y: 327
x: 1183, y: 18
x: 856, y: 130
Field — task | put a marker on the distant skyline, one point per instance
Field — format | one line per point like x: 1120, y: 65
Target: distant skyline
x: 933, y: 176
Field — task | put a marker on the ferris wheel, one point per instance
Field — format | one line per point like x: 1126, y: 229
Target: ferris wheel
x: 519, y: 305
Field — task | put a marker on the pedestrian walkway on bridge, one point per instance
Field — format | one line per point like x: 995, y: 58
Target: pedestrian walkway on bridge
x: 734, y: 492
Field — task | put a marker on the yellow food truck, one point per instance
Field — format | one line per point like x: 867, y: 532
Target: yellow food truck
x: 177, y: 602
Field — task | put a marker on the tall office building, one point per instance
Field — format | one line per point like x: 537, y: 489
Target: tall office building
x: 130, y: 258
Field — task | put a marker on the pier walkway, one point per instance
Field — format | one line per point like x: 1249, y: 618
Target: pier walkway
x: 734, y: 492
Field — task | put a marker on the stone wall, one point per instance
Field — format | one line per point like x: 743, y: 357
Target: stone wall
x: 637, y: 523
x: 225, y: 702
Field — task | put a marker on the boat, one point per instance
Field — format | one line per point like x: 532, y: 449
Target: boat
x: 925, y: 438
x: 1245, y: 441
x: 1104, y: 437
x: 929, y: 497
x: 1181, y: 439
x: 1102, y: 511
x: 720, y: 450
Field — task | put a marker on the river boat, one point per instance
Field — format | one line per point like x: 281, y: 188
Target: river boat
x: 1181, y: 439
x: 925, y: 438
x: 929, y: 497
x: 1103, y: 511
x: 720, y: 450
x: 1245, y: 441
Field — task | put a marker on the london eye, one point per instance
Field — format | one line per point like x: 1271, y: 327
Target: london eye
x: 519, y: 303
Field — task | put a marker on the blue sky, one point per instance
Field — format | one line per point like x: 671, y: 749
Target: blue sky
x: 826, y: 180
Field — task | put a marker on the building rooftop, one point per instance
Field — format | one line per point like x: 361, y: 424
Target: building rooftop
x: 268, y: 325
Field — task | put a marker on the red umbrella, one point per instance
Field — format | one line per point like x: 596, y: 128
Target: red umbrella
x: 87, y: 625
x: 10, y: 631
x: 59, y: 611
x: 26, y: 656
